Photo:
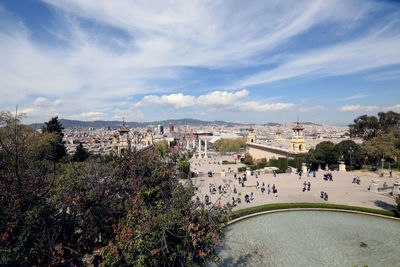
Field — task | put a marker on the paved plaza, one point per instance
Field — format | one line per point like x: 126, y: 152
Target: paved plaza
x: 290, y: 188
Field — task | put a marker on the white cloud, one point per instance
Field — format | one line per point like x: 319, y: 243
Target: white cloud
x: 395, y: 108
x: 87, y: 116
x: 221, y: 98
x: 384, y: 75
x: 153, y: 47
x: 358, y: 108
x: 312, y: 109
x: 356, y: 96
x: 338, y: 59
x: 172, y: 100
x: 216, y: 101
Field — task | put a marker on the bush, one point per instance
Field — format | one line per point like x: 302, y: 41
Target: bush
x: 279, y: 206
x: 242, y: 169
x: 228, y: 162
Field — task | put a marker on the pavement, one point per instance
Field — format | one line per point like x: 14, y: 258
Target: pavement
x: 214, y: 164
x: 290, y: 189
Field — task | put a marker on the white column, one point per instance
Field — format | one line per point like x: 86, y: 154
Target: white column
x: 199, y: 148
x: 205, y: 148
x: 188, y: 144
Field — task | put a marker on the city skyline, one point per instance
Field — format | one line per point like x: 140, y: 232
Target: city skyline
x: 325, y: 61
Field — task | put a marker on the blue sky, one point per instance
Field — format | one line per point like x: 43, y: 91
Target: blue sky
x: 242, y: 61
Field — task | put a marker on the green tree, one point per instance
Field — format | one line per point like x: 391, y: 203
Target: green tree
x: 183, y: 167
x: 54, y: 126
x: 162, y: 147
x: 389, y: 120
x: 248, y: 159
x: 162, y: 226
x: 385, y: 146
x: 26, y: 220
x: 342, y: 149
x: 365, y: 127
x: 368, y: 127
x: 81, y: 154
x: 230, y: 145
x: 324, y: 153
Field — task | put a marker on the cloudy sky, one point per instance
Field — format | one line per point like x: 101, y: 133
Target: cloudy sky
x: 241, y: 61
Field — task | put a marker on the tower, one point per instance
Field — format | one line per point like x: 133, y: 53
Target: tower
x: 251, y: 137
x: 149, y: 137
x: 278, y: 136
x: 298, y: 143
x: 123, y: 141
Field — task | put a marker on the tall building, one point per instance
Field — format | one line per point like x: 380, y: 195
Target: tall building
x: 171, y: 127
x: 160, y: 129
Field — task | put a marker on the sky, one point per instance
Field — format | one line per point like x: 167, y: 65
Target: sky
x: 239, y: 61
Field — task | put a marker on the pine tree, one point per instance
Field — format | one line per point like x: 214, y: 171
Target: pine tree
x: 81, y: 154
x: 54, y: 126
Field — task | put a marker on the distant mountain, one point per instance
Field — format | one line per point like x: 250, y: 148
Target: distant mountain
x: 116, y: 124
x: 181, y: 122
x: 271, y: 124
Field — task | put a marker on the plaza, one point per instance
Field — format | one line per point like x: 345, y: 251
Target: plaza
x: 290, y: 188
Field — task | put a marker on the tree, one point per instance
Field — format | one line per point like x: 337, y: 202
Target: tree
x: 389, y: 120
x: 229, y: 145
x: 162, y: 227
x: 324, y: 153
x: 248, y: 159
x: 162, y: 147
x: 81, y: 154
x: 342, y: 149
x: 385, y: 146
x: 54, y: 126
x: 183, y: 167
x: 365, y: 127
x: 26, y: 221
x: 368, y: 127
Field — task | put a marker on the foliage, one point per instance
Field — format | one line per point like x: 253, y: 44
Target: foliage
x: 324, y: 153
x: 133, y: 207
x: 230, y: 145
x: 183, y: 167
x: 365, y: 127
x: 25, y: 180
x: 384, y: 146
x: 162, y: 147
x: 279, y: 206
x: 368, y: 127
x: 228, y: 162
x: 81, y: 154
x: 342, y: 149
x: 54, y: 126
x: 248, y: 159
x: 162, y: 226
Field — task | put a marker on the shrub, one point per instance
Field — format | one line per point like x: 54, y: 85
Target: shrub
x: 278, y: 206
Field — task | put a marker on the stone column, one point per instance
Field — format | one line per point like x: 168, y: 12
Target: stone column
x: 205, y: 149
x: 342, y: 166
x: 188, y: 144
x: 304, y: 168
x: 374, y: 185
x: 396, y: 188
x: 199, y: 148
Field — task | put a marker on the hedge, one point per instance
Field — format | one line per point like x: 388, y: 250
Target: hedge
x: 280, y: 206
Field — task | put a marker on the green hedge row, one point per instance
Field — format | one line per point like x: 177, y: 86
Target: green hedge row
x: 228, y: 162
x: 279, y: 206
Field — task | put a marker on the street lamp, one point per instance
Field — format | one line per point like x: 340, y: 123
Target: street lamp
x: 351, y: 151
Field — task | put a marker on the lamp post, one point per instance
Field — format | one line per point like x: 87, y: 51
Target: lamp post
x: 351, y: 151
